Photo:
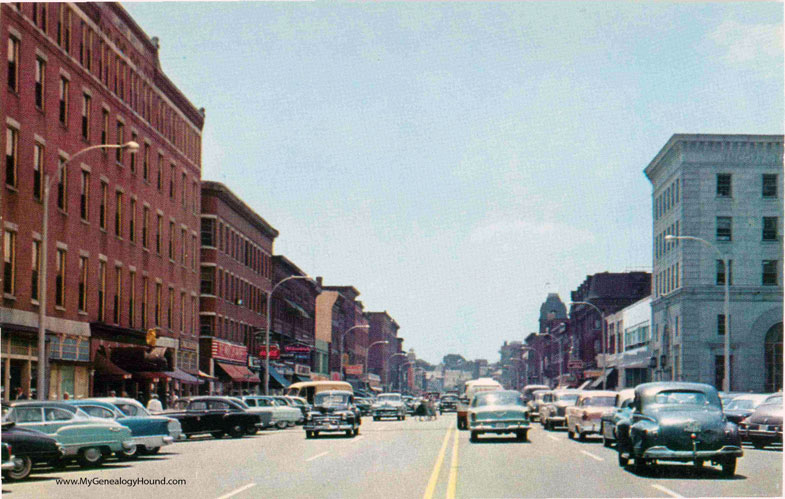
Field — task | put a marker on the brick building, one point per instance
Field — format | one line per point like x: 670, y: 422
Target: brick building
x: 383, y: 328
x: 236, y: 277
x: 122, y: 242
x: 348, y: 328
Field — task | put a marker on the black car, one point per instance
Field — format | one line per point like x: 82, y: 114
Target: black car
x: 333, y: 410
x: 363, y: 405
x: 217, y: 416
x: 740, y: 407
x: 29, y: 447
x: 448, y: 403
x: 764, y: 426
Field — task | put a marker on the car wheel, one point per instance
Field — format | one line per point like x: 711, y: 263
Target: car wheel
x: 152, y: 451
x: 58, y: 464
x: 639, y: 464
x: 356, y: 431
x: 758, y: 443
x: 623, y: 461
x: 474, y: 437
x: 308, y: 434
x: 581, y: 436
x: 217, y: 434
x: 350, y: 433
x: 698, y: 463
x: 237, y: 431
x: 315, y: 434
x: 521, y: 436
x: 281, y: 425
x: 375, y: 418
x: 129, y: 454
x: 729, y: 467
x: 251, y: 430
x: 22, y: 468
x: 90, y: 457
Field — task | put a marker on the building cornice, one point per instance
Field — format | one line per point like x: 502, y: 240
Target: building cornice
x: 223, y: 193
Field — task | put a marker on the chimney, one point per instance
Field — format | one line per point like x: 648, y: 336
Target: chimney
x: 319, y: 281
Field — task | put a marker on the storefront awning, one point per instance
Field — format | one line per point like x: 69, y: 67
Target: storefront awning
x: 182, y: 376
x: 239, y: 374
x: 105, y: 367
x: 598, y: 381
x: 374, y: 389
x: 300, y: 377
x: 278, y: 378
x: 204, y: 375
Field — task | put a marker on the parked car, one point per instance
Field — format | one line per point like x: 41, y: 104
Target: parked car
x: 675, y: 421
x: 538, y: 398
x: 281, y: 414
x: 500, y: 412
x: 89, y: 440
x: 448, y: 403
x: 29, y: 447
x: 287, y: 402
x: 622, y: 410
x: 742, y: 406
x: 149, y: 432
x: 410, y: 403
x: 554, y: 413
x: 299, y: 403
x: 363, y: 405
x: 764, y: 426
x: 584, y: 417
x: 7, y: 463
x: 333, y: 411
x: 215, y: 415
x: 529, y: 390
x: 389, y: 405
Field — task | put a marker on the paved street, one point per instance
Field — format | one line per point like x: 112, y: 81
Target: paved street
x: 409, y: 459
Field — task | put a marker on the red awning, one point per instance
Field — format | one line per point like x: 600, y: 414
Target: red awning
x: 105, y: 367
x: 239, y: 374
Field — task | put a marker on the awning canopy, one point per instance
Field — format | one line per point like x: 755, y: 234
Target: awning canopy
x: 584, y: 384
x: 238, y: 374
x: 278, y: 378
x: 300, y: 377
x: 105, y: 367
x: 204, y: 375
x: 182, y: 376
x: 375, y: 389
x: 598, y: 381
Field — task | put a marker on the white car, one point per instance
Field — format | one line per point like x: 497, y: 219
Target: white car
x: 281, y: 415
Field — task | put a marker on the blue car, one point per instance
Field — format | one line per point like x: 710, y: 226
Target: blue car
x: 148, y: 432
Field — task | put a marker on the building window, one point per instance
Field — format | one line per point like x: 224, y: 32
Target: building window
x: 60, y: 279
x: 118, y: 214
x: 104, y: 128
x: 36, y: 268
x: 38, y: 168
x: 132, y: 222
x: 721, y: 324
x: 145, y: 285
x: 157, y: 304
x: 159, y: 227
x: 206, y: 325
x: 183, y: 246
x: 182, y: 312
x: 86, y: 111
x: 185, y: 193
x: 13, y: 64
x: 160, y: 180
x: 193, y: 252
x: 146, y: 163
x: 131, y: 298
x: 769, y: 277
x: 720, y: 271
x: 170, y: 309
x: 724, y: 231
x: 769, y: 185
x: 134, y: 138
x: 64, y: 101
x: 208, y: 231
x: 120, y: 141
x: 9, y: 262
x: 770, y: 228
x: 62, y: 186
x: 101, y: 290
x: 102, y: 206
x: 40, y: 71
x: 82, y: 283
x: 118, y: 293
x: 67, y: 37
x: 207, y: 286
x: 719, y: 371
x: 171, y: 181
x: 82, y: 42
x: 145, y: 227
x: 84, y: 197
x: 11, y: 156
x: 171, y: 240
x: 90, y: 50
x: 724, y: 185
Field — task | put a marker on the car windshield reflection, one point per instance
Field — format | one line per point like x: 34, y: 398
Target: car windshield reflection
x: 497, y: 399
x: 330, y: 399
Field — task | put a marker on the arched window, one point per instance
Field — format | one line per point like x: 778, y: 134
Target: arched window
x: 773, y: 358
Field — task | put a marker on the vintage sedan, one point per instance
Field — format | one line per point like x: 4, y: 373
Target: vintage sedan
x: 89, y: 440
x: 363, y: 405
x: 539, y: 397
x: 621, y: 410
x: 554, y: 413
x: 741, y: 406
x: 764, y: 426
x: 333, y: 411
x: 212, y: 414
x: 500, y: 412
x: 675, y: 421
x: 281, y: 414
x: 584, y: 417
x: 300, y: 403
x: 389, y: 405
x: 150, y: 433
x: 29, y: 447
x: 448, y: 403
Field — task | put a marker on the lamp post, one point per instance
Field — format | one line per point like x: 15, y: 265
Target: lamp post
x: 389, y: 365
x: 41, y: 382
x: 343, y: 336
x: 368, y: 353
x: 268, y: 325
x: 602, y: 330
x: 726, y: 307
x: 539, y: 363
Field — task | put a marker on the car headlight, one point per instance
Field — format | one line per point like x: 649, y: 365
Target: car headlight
x: 173, y: 426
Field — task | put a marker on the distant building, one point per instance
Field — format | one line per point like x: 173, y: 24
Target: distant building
x: 629, y: 343
x: 552, y: 308
x: 726, y: 190
x: 383, y: 328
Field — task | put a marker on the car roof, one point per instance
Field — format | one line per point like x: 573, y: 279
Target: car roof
x: 335, y: 392
x: 598, y: 393
x: 651, y: 389
x: 44, y: 403
x: 100, y: 403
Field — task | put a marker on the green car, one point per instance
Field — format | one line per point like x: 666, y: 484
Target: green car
x: 500, y: 411
x: 83, y: 437
x: 675, y: 421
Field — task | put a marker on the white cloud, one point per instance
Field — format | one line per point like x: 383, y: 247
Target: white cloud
x: 750, y: 47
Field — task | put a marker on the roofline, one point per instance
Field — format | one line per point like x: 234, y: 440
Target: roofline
x: 230, y: 198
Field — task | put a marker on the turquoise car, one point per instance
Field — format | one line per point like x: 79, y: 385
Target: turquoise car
x: 87, y: 439
x: 149, y: 433
x: 499, y: 411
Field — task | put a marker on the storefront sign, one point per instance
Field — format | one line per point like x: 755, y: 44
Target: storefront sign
x: 227, y: 351
x: 275, y: 352
x: 334, y: 376
x: 302, y: 349
x: 189, y: 345
x: 592, y: 373
x: 302, y: 370
x: 574, y: 364
x: 355, y: 369
x: 373, y: 377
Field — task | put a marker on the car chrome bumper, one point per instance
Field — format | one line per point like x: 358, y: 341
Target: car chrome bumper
x: 498, y: 426
x: 328, y: 427
x: 664, y: 453
x: 589, y: 427
x: 770, y: 434
x: 153, y: 441
x: 557, y: 420
x: 8, y: 465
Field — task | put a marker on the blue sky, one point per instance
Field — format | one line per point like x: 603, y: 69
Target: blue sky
x: 455, y: 162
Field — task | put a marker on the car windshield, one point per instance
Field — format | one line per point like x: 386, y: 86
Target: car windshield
x: 240, y: 403
x: 501, y: 398
x: 774, y: 401
x: 600, y: 401
x: 449, y: 399
x: 570, y: 398
x: 682, y: 397
x: 130, y: 409
x: 389, y: 398
x: 741, y: 404
x: 327, y: 399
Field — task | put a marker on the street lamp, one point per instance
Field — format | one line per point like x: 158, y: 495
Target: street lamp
x: 539, y: 362
x: 268, y: 325
x: 41, y: 382
x: 726, y: 377
x: 602, y: 329
x: 368, y: 353
x: 343, y: 335
x: 389, y: 366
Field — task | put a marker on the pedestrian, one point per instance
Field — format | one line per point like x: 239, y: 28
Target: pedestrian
x: 66, y: 395
x: 124, y: 394
x: 20, y: 393
x: 112, y: 393
x: 154, y: 405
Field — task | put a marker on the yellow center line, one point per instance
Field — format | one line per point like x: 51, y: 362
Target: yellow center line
x: 438, y: 466
x: 452, y: 484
